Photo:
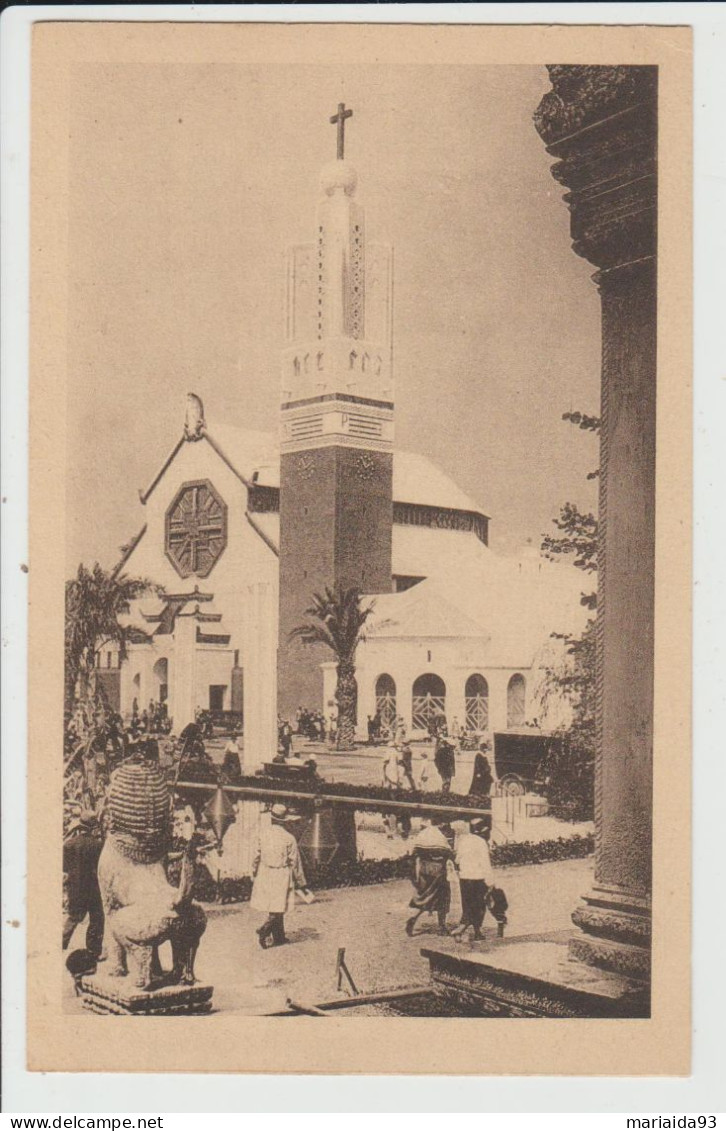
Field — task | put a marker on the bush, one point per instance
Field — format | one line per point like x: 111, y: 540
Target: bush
x: 359, y: 873
x: 544, y: 851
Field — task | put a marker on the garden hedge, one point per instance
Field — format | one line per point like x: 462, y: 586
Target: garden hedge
x: 362, y: 872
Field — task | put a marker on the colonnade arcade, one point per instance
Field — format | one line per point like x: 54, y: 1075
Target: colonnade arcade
x: 462, y: 698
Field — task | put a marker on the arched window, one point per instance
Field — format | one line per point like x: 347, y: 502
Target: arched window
x: 516, y: 701
x: 476, y: 694
x: 386, y: 699
x: 428, y: 701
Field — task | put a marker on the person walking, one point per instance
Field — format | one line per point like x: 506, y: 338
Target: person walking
x: 407, y: 765
x: 481, y: 782
x: 81, y: 850
x: 432, y: 853
x: 391, y: 782
x: 231, y: 765
x: 474, y: 866
x: 286, y: 739
x: 277, y: 872
x: 445, y: 762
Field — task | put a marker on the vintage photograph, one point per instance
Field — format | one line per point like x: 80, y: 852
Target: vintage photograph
x: 359, y: 472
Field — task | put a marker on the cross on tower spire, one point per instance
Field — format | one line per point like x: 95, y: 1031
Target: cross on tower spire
x: 339, y: 120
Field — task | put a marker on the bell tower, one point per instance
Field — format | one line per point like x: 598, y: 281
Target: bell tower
x: 336, y: 441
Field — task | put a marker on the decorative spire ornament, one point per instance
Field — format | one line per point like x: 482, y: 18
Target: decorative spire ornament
x: 339, y: 120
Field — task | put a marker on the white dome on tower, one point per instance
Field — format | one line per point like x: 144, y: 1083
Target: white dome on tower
x: 338, y: 175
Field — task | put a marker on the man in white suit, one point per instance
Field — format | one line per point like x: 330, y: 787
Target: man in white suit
x: 278, y: 872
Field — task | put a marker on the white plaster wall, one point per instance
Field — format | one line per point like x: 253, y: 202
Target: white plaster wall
x: 246, y: 560
x: 214, y: 665
x: 244, y: 556
x: 453, y: 660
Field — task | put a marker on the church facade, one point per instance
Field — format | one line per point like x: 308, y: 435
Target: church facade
x: 240, y: 528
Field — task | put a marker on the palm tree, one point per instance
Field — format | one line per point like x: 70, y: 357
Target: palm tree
x: 95, y: 600
x: 336, y: 620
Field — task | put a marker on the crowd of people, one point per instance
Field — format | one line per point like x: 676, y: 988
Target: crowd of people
x: 385, y: 730
x: 439, y: 855
x: 313, y: 725
x: 152, y: 720
x: 98, y: 741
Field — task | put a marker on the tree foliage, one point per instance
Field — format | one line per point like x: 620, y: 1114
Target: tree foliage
x: 570, y: 766
x: 577, y: 538
x: 95, y: 601
x: 336, y: 619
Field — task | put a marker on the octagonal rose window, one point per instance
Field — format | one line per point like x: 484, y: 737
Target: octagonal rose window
x: 195, y: 529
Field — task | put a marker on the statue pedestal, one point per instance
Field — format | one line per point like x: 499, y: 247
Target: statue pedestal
x: 100, y: 993
x: 533, y: 979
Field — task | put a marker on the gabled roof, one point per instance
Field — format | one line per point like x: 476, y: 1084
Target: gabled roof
x: 512, y: 606
x: 422, y: 611
x: 254, y: 457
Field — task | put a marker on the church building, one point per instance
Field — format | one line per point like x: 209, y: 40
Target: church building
x: 240, y: 528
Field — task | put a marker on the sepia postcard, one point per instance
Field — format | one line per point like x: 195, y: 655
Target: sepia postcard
x: 360, y: 465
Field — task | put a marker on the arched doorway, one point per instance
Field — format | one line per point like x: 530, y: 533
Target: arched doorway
x: 428, y: 701
x: 386, y: 699
x: 516, y: 690
x: 476, y: 694
x: 161, y: 675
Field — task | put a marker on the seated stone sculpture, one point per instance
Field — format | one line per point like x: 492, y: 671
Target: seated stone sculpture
x: 142, y: 909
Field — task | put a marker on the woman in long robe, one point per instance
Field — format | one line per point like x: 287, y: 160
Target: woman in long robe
x: 445, y: 762
x: 481, y: 782
x: 432, y: 853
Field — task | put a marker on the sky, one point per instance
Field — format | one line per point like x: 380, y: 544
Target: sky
x: 187, y: 182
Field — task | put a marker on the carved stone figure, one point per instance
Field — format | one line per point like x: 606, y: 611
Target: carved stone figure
x: 141, y: 907
x: 194, y: 422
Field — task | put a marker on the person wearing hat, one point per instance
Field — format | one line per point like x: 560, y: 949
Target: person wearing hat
x: 277, y: 872
x: 81, y: 850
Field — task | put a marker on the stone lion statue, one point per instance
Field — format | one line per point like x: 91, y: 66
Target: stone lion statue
x: 142, y: 909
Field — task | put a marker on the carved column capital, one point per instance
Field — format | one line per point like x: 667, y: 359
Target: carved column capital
x: 600, y: 122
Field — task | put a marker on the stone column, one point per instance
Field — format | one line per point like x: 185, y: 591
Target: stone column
x: 183, y: 674
x: 236, y: 685
x: 497, y: 680
x: 601, y: 125
x: 260, y: 682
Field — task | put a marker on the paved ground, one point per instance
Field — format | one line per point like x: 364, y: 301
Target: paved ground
x: 369, y: 923
x: 364, y: 765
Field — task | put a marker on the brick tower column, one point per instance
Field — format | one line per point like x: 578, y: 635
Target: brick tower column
x: 336, y: 443
x: 600, y: 123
